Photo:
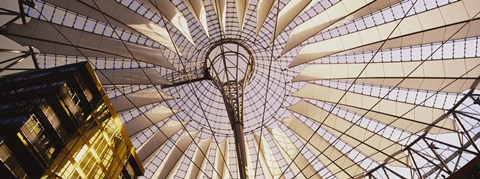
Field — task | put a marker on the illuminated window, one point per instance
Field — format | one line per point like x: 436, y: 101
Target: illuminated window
x: 72, y: 101
x: 35, y: 133
x: 12, y: 164
x: 54, y: 121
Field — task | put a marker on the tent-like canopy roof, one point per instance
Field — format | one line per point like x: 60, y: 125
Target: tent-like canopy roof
x: 340, y: 88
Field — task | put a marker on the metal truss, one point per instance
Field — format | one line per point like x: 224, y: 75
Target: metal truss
x: 437, y: 157
x: 22, y: 54
x: 188, y: 76
x: 231, y: 80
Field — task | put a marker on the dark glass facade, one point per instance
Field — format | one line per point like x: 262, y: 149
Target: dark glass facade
x: 59, y: 123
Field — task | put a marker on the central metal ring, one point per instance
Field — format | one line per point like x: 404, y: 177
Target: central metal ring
x: 229, y: 61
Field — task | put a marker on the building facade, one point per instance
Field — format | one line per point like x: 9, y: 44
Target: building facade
x: 59, y: 123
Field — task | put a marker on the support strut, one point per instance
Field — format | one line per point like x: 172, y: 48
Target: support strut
x: 230, y: 68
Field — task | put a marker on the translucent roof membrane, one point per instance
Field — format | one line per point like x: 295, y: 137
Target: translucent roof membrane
x: 340, y: 88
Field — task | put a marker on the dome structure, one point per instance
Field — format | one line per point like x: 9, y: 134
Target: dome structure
x: 272, y: 88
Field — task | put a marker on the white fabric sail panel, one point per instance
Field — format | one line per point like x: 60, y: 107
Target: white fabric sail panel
x: 157, y: 33
x: 226, y: 154
x: 291, y: 10
x: 103, y: 11
x: 341, y: 12
x: 148, y: 148
x: 451, y: 32
x: 289, y: 151
x: 373, y: 7
x: 13, y: 50
x: 206, y: 162
x: 6, y: 19
x: 421, y: 28
x: 11, y: 6
x: 267, y: 159
x: 386, y: 111
x: 198, y: 11
x: 117, y: 15
x: 414, y: 126
x: 221, y: 161
x: 166, y: 9
x: 242, y: 8
x: 136, y: 22
x: 198, y: 159
x: 453, y: 75
x: 252, y: 165
x: 263, y: 8
x: 336, y: 161
x: 16, y: 66
x: 43, y: 36
x: 220, y: 7
x: 9, y: 44
x: 139, y: 98
x: 371, y: 144
x: 131, y: 76
x: 149, y: 118
x: 322, y: 21
x: 176, y: 168
x: 173, y: 156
